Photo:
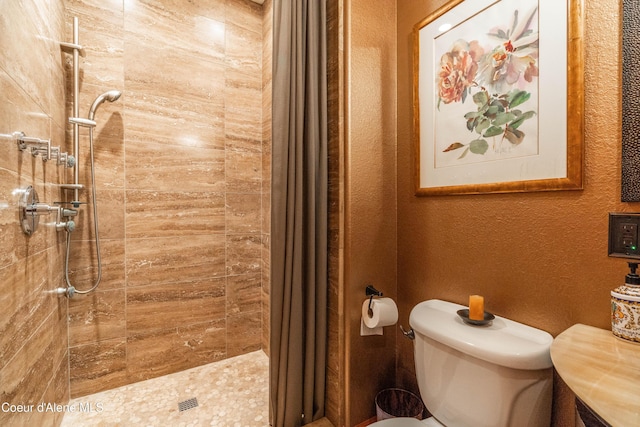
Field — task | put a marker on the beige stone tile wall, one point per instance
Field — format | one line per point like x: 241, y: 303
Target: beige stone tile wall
x: 267, y: 49
x: 33, y: 338
x: 181, y: 174
x: 335, y: 409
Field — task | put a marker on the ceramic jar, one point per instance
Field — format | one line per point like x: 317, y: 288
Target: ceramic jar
x: 625, y: 312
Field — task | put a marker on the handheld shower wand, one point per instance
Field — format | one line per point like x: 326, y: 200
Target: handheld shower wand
x: 70, y: 290
x: 110, y: 96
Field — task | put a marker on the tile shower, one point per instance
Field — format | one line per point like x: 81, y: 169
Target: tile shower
x: 182, y: 173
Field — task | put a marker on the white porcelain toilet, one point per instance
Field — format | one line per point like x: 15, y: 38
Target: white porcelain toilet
x: 497, y: 375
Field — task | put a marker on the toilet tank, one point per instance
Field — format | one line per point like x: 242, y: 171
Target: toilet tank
x: 498, y: 375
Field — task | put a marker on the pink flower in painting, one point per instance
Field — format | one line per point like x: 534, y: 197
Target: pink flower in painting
x: 458, y: 68
x: 514, y: 58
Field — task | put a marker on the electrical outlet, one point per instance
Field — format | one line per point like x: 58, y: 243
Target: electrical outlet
x: 623, y: 235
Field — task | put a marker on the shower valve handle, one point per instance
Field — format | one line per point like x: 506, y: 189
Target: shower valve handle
x: 39, y: 209
x: 68, y: 226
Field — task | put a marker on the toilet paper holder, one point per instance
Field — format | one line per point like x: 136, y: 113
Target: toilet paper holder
x: 371, y: 292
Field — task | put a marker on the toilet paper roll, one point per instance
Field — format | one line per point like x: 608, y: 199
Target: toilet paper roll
x: 385, y: 312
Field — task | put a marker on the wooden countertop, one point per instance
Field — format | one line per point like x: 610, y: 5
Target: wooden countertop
x: 602, y: 370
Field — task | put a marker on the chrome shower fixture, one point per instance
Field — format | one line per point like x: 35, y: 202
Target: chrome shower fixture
x: 69, y: 291
x: 43, y: 148
x: 82, y: 122
x: 110, y: 96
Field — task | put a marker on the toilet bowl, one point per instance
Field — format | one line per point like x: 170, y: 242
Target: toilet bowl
x: 407, y: 422
x: 495, y: 375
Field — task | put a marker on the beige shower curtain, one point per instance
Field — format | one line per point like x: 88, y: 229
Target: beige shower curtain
x: 299, y: 213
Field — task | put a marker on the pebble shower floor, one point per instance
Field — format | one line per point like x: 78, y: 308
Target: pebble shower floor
x: 230, y: 393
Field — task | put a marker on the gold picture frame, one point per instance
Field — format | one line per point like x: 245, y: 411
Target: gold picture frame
x: 477, y: 75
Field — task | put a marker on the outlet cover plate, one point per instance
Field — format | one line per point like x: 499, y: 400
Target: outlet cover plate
x: 623, y: 235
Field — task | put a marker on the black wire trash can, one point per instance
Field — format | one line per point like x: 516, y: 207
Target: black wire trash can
x: 396, y: 402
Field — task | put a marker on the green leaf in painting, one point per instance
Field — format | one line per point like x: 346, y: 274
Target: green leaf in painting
x: 478, y: 146
x: 471, y: 124
x: 529, y: 114
x: 453, y: 146
x: 493, y: 131
x: 483, y: 124
x: 481, y: 98
x: 518, y: 97
x: 464, y: 153
x: 516, y: 123
x: 492, y: 111
x: 500, y: 103
x: 514, y: 136
x: 503, y: 118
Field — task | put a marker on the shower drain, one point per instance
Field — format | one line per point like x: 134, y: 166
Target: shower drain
x: 188, y: 404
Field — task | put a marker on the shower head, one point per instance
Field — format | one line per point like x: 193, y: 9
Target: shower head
x: 110, y: 96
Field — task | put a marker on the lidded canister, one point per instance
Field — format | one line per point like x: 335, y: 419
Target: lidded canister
x: 625, y: 307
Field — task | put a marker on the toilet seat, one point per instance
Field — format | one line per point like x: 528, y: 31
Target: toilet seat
x: 407, y: 422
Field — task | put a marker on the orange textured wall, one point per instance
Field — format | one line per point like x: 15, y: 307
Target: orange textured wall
x: 370, y: 195
x: 538, y: 258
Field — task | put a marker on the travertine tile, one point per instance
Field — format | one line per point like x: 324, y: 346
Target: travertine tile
x: 244, y: 333
x: 158, y: 117
x: 180, y: 304
x: 60, y: 385
x: 83, y: 264
x: 243, y: 213
x: 243, y: 253
x: 110, y: 215
x: 22, y: 376
x: 169, y: 259
x: 172, y: 168
x: 229, y: 392
x: 97, y: 316
x: 243, y: 113
x: 164, y: 23
x: 243, y: 171
x: 30, y: 63
x: 159, y: 72
x: 176, y: 213
x: 101, y: 34
x: 16, y: 244
x: 15, y: 112
x: 108, y: 155
x: 266, y: 211
x: 180, y: 161
x: 245, y: 14
x: 243, y: 50
x: 25, y: 307
x: 97, y: 367
x: 160, y: 352
x: 33, y: 320
x: 243, y: 294
x: 266, y: 319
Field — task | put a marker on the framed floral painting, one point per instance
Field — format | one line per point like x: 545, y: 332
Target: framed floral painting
x: 499, y: 97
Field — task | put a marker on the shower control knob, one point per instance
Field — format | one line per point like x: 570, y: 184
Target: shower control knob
x: 67, y: 226
x: 71, y: 161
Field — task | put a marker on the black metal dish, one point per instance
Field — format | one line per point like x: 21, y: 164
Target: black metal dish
x: 464, y: 315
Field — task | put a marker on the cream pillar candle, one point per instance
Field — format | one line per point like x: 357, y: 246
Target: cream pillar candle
x: 476, y: 307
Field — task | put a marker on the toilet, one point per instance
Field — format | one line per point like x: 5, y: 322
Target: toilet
x: 495, y: 375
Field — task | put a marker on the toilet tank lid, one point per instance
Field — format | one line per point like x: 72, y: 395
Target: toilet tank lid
x: 504, y: 342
